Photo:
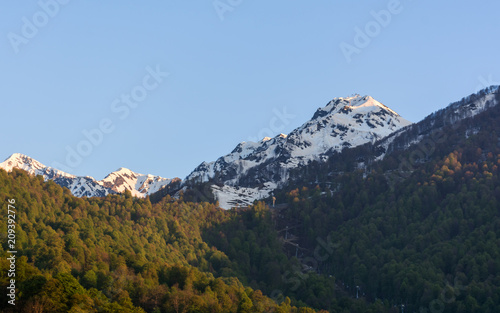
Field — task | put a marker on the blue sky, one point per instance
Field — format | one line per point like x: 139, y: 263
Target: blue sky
x: 237, y: 70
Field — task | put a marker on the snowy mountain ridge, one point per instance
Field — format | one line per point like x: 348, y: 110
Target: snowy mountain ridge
x: 254, y: 169
x: 467, y: 107
x: 139, y: 185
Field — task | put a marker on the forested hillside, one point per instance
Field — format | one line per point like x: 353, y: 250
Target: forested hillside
x: 424, y: 233
x: 118, y: 254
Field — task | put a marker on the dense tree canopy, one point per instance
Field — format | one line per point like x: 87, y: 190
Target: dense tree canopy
x: 118, y: 254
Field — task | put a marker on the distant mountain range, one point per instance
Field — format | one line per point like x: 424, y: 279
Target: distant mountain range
x: 254, y: 169
x: 139, y: 185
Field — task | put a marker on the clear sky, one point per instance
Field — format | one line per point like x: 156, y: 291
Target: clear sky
x: 237, y: 70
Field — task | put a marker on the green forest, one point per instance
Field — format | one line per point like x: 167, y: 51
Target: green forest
x: 123, y: 254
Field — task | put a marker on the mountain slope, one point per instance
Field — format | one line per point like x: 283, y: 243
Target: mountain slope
x: 467, y: 107
x: 413, y: 235
x: 404, y: 150
x: 252, y: 170
x: 139, y: 185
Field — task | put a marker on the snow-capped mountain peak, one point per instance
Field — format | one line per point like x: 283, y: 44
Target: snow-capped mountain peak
x: 139, y: 185
x: 30, y: 165
x: 86, y: 186
x: 352, y: 105
x: 343, y: 122
x: 78, y: 185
